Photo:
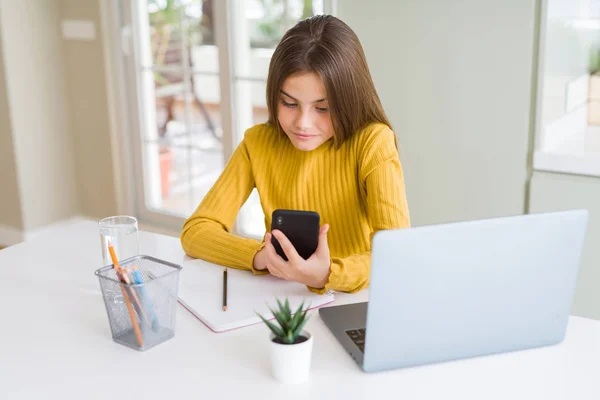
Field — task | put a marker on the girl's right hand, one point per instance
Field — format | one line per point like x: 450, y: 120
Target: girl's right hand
x: 260, y: 260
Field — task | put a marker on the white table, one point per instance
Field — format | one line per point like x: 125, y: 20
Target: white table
x: 56, y: 343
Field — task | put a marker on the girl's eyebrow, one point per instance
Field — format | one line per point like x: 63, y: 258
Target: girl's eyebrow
x: 293, y: 98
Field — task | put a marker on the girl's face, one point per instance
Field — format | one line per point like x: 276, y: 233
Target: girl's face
x: 303, y: 111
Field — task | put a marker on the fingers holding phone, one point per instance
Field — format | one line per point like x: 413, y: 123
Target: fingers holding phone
x: 289, y: 251
x: 276, y: 265
x: 323, y: 246
x: 298, y: 249
x: 301, y: 228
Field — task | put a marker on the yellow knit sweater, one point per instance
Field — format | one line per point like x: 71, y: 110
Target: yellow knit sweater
x: 357, y: 189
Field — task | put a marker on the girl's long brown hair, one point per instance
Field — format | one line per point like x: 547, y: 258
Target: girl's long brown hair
x: 327, y: 46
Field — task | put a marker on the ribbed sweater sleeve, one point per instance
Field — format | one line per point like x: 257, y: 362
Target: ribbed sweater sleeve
x: 206, y: 234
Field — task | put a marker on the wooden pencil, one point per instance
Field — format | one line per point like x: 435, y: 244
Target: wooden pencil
x: 136, y: 327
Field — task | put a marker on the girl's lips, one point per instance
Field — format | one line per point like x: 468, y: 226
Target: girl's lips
x: 303, y: 137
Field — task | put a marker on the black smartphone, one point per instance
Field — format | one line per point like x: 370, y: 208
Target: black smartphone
x: 300, y: 227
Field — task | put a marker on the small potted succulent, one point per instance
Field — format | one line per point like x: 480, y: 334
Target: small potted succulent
x: 291, y: 346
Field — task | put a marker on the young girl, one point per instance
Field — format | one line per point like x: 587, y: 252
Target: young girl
x: 327, y: 147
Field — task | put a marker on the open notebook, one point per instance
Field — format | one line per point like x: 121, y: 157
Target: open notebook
x: 201, y: 293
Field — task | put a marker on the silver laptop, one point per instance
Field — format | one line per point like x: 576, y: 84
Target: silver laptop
x: 452, y: 291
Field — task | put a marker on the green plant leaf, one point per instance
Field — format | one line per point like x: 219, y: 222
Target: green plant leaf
x: 298, y: 317
x: 281, y: 307
x: 278, y: 332
x: 302, y: 322
x: 288, y: 311
x: 290, y: 338
x: 281, y: 320
x: 305, y: 312
x: 298, y: 329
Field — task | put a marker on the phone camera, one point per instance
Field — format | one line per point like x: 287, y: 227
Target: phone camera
x: 279, y: 220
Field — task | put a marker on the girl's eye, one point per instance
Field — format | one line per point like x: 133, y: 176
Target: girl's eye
x: 285, y: 103
x: 322, y: 109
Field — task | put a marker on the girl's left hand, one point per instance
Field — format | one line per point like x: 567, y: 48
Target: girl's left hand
x: 313, y: 272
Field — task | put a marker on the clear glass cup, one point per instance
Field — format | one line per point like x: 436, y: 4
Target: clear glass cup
x: 122, y: 232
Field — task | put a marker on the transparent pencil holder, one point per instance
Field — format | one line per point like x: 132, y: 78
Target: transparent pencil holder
x: 150, y: 305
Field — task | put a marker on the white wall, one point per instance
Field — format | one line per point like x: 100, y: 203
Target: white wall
x: 555, y: 192
x: 10, y: 207
x: 456, y: 81
x: 36, y: 91
x: 89, y: 119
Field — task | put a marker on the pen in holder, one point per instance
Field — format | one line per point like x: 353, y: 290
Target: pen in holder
x: 138, y: 295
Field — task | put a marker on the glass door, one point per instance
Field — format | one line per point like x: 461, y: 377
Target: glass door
x: 196, y: 80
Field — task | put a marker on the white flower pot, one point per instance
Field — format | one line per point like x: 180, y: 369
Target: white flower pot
x: 290, y: 363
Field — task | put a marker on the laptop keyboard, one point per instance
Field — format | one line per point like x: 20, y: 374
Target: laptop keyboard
x: 358, y: 337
